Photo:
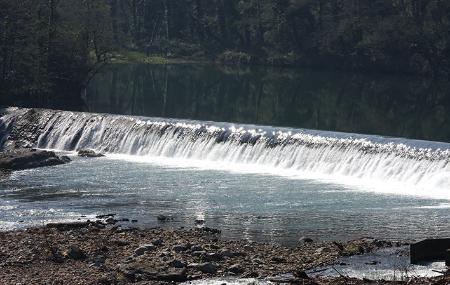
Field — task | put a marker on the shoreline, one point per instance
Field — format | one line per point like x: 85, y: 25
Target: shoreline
x: 109, y: 251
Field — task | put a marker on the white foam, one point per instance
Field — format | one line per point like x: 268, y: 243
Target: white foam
x: 373, y: 164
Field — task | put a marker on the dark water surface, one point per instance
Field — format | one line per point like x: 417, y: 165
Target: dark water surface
x: 388, y: 105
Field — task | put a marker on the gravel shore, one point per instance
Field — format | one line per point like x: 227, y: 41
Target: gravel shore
x: 107, y: 251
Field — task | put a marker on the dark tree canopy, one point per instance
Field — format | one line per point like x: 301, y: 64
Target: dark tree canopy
x: 54, y: 46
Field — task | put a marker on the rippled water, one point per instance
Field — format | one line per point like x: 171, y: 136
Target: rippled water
x: 253, y: 206
x: 385, y: 264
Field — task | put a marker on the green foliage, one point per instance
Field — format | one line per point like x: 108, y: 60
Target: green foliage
x: 51, y: 48
x: 56, y: 46
x: 378, y: 35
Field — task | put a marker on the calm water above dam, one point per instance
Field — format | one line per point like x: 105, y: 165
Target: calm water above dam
x: 389, y: 105
x: 263, y: 154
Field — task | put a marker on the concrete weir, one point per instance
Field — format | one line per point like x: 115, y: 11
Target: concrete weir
x: 430, y: 250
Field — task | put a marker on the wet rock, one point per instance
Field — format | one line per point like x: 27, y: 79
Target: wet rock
x: 89, y: 153
x: 105, y: 216
x: 208, y: 230
x: 163, y: 218
x: 306, y: 240
x: 111, y: 221
x: 65, y: 159
x: 143, y: 249
x: 199, y: 221
x: 74, y: 252
x: 27, y: 159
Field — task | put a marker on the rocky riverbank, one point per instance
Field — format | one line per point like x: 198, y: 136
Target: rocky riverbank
x: 26, y: 158
x: 109, y: 251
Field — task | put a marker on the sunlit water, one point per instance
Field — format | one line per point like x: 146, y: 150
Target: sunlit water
x: 252, y: 206
x: 386, y: 264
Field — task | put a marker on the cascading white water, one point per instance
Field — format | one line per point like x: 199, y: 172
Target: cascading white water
x: 300, y: 152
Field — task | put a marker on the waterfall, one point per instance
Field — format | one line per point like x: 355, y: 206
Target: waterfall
x: 305, y: 152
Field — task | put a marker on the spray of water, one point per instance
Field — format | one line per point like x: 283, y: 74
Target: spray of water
x: 388, y: 165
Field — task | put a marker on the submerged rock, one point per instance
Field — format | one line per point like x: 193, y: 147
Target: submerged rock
x: 20, y: 159
x: 89, y: 153
x: 305, y: 240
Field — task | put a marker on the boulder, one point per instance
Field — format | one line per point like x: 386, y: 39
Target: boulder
x: 30, y: 158
x: 89, y: 153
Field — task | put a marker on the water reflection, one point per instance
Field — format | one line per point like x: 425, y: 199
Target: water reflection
x: 385, y: 105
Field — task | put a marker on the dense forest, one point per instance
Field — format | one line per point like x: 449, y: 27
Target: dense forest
x: 54, y: 47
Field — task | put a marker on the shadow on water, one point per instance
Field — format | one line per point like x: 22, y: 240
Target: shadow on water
x: 385, y: 105
x: 391, y: 105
